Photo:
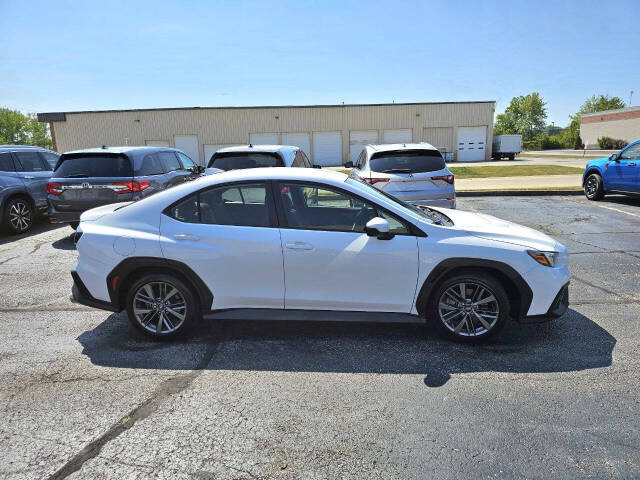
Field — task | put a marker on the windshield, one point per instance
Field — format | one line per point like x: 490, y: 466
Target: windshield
x: 404, y: 161
x: 94, y: 166
x: 240, y: 160
x: 429, y: 215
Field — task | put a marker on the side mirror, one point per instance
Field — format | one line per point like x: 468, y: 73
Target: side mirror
x: 613, y: 157
x: 378, y: 227
x: 348, y: 164
x: 317, y: 166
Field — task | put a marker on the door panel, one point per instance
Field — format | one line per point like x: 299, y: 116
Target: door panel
x: 34, y: 173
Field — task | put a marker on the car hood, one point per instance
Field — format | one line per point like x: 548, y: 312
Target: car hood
x: 597, y: 162
x: 493, y: 228
x: 99, y: 212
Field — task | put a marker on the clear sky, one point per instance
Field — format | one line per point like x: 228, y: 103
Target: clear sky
x: 86, y: 55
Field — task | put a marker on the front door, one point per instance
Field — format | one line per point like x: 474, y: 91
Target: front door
x: 331, y: 264
x: 630, y: 169
x: 228, y: 235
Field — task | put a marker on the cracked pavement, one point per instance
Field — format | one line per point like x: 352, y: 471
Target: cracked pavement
x: 84, y: 396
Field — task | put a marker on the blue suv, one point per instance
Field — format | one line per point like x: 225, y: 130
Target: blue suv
x: 617, y: 173
x: 24, y: 172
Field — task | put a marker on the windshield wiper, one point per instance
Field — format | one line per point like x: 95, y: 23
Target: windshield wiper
x: 397, y: 170
x: 77, y: 175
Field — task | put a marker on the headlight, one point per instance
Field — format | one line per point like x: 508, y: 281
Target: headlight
x: 548, y: 259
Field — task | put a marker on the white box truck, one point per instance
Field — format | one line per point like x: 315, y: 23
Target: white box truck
x: 506, y: 146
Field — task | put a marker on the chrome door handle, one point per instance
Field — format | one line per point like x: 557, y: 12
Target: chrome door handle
x: 29, y: 177
x: 299, y: 245
x: 181, y: 237
x: 632, y: 164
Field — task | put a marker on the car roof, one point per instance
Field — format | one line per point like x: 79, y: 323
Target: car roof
x: 122, y: 150
x: 259, y: 148
x: 401, y: 146
x: 274, y: 173
x: 22, y: 147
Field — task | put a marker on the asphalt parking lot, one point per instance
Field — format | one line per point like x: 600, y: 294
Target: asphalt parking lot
x: 84, y: 396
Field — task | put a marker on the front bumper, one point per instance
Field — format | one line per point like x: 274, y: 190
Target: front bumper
x: 80, y: 294
x: 558, y: 307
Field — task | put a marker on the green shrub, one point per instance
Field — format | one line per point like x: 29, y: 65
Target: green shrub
x: 608, y: 143
x: 603, y: 141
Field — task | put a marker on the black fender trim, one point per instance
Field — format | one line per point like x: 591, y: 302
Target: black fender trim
x: 441, y: 270
x: 132, y: 265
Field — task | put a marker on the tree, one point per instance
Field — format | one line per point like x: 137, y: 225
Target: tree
x: 525, y: 115
x: 16, y: 128
x: 596, y: 103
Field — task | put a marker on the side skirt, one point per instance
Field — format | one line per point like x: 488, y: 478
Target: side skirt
x: 311, y: 315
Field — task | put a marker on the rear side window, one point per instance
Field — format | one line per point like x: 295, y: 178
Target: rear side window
x: 6, y: 163
x: 51, y: 159
x: 151, y: 165
x: 31, y: 162
x: 170, y: 161
x: 241, y: 160
x: 407, y: 161
x: 240, y: 205
x: 80, y: 166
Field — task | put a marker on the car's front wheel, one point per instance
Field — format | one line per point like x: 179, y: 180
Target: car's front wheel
x: 470, y: 307
x: 593, y: 187
x: 18, y: 216
x: 161, y: 306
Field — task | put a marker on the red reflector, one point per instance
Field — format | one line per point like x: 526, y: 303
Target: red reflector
x: 54, y: 188
x: 446, y: 178
x: 371, y: 181
x: 131, y: 187
x: 114, y: 282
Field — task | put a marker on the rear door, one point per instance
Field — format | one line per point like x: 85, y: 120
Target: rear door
x: 88, y: 180
x: 34, y: 172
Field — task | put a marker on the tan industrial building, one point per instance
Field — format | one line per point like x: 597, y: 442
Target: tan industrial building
x: 329, y: 134
x: 621, y: 124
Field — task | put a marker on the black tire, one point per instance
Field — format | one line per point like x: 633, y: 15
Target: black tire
x: 466, y: 326
x: 593, y: 189
x: 74, y: 225
x: 512, y: 156
x: 184, y: 294
x: 18, y: 216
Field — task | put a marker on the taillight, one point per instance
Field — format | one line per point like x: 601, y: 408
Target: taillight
x: 371, y: 181
x: 54, y: 188
x: 446, y: 178
x: 130, y: 187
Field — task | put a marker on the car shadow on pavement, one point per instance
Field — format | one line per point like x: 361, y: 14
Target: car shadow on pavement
x: 632, y: 201
x: 65, y: 243
x: 571, y: 343
x: 39, y: 226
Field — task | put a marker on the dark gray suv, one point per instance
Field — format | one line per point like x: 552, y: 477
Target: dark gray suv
x: 24, y: 172
x: 84, y: 179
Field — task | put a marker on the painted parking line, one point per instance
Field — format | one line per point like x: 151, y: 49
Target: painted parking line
x: 605, y: 206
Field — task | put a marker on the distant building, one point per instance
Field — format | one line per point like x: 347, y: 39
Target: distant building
x: 328, y: 134
x: 621, y: 124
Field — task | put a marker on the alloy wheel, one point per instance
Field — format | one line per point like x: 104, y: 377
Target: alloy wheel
x: 468, y: 309
x: 20, y: 216
x: 591, y: 186
x: 159, y: 307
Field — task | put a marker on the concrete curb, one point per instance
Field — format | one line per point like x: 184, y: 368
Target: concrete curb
x: 516, y: 193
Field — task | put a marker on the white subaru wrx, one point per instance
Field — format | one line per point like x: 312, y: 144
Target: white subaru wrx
x: 305, y: 244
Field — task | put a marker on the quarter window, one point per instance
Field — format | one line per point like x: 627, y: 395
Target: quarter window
x: 297, y: 161
x: 30, y: 162
x: 50, y: 158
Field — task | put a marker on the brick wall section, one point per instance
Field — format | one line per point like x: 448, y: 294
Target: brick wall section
x: 610, y: 116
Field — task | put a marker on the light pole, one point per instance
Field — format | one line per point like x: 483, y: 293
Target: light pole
x: 630, y: 95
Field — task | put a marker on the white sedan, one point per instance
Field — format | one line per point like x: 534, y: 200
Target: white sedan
x: 307, y: 244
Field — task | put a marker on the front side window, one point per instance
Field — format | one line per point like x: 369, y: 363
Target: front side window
x: 241, y: 160
x: 631, y: 153
x: 51, y: 159
x: 403, y: 161
x: 170, y: 161
x: 239, y: 204
x: 305, y: 160
x: 30, y: 162
x: 186, y: 161
x: 321, y: 208
x: 6, y: 162
x: 297, y: 160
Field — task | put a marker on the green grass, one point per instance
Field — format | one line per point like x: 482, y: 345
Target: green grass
x: 507, y: 171
x: 542, y: 189
x: 560, y: 155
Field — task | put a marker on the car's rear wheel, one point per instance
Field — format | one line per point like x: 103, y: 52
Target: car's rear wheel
x: 593, y: 189
x: 470, y: 307
x: 18, y: 216
x: 161, y: 306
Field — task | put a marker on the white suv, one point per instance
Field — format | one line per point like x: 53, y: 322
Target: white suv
x: 298, y: 243
x: 413, y: 172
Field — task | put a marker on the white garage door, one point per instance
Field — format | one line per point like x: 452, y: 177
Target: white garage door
x: 264, y: 139
x: 209, y: 150
x: 358, y: 139
x: 327, y: 149
x: 472, y: 144
x: 300, y: 140
x: 156, y: 143
x: 399, y: 135
x: 189, y: 145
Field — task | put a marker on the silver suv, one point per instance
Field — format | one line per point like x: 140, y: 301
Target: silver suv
x: 84, y: 179
x: 413, y: 172
x: 24, y: 172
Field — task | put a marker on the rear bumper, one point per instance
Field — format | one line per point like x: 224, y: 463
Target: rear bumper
x: 63, y: 217
x: 80, y: 294
x: 558, y: 307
